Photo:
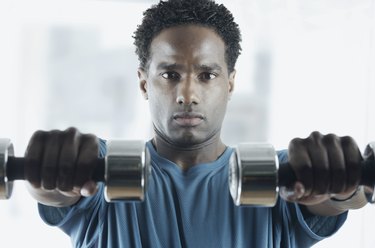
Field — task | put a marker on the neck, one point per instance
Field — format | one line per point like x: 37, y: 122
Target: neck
x: 189, y: 156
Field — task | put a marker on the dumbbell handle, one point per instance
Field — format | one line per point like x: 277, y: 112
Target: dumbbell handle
x: 16, y: 169
x: 286, y: 176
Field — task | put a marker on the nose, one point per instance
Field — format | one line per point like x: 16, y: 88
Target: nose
x: 187, y: 93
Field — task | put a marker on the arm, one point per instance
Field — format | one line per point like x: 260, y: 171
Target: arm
x: 59, y: 166
x: 328, y: 172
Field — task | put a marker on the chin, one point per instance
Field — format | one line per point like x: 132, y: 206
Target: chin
x: 189, y: 140
x: 189, y: 137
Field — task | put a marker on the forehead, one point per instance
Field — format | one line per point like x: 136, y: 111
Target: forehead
x: 188, y: 42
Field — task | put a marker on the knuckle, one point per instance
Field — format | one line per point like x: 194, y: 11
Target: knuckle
x: 90, y: 145
x: 52, y: 137
x: 72, y: 132
x: 53, y: 134
x: 348, y: 141
x: 38, y: 135
x: 72, y: 129
x: 37, y: 139
x: 331, y: 139
x: 90, y: 137
x: 295, y: 143
x: 314, y: 136
x: 314, y: 140
x: 351, y: 150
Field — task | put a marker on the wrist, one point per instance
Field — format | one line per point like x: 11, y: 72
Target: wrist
x: 354, y: 201
x: 345, y: 197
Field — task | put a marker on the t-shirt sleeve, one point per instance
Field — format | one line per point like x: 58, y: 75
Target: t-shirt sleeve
x: 304, y: 228
x: 80, y: 221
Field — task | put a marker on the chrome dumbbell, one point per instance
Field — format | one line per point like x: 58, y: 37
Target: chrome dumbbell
x: 255, y: 174
x: 369, y: 155
x: 6, y: 184
x: 124, y: 170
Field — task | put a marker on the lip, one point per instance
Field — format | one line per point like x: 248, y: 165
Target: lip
x: 188, y: 119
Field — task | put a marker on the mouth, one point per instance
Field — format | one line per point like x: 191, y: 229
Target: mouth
x: 188, y: 119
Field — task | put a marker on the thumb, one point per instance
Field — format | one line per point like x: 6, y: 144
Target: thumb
x: 90, y: 188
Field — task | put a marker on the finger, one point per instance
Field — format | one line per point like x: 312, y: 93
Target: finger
x: 33, y: 156
x: 87, y: 158
x: 313, y: 199
x: 50, y: 159
x: 353, y: 160
x: 300, y: 162
x: 336, y: 159
x: 89, y: 188
x: 75, y: 192
x: 297, y: 194
x: 320, y: 163
x: 292, y: 194
x: 67, y: 159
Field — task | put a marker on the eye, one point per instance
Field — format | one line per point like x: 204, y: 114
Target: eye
x: 205, y: 76
x: 171, y: 75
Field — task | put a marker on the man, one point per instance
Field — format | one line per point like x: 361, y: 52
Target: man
x: 187, y: 52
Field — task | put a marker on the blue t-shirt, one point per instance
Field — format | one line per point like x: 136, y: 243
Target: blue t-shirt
x: 188, y: 209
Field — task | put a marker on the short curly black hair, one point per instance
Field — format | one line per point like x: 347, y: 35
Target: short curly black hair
x: 171, y: 13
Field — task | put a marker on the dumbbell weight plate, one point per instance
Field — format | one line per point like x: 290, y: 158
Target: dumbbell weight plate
x: 369, y: 154
x: 6, y: 186
x: 253, y: 175
x: 127, y: 168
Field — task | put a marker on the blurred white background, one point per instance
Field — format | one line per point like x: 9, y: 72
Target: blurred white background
x: 305, y: 66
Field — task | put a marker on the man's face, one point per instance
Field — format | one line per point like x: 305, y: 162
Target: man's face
x: 187, y: 84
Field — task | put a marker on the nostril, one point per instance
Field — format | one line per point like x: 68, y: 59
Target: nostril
x: 180, y: 100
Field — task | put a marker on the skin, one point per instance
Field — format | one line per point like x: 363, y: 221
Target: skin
x: 188, y: 86
x: 326, y: 166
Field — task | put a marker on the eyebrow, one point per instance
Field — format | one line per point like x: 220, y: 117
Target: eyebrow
x: 168, y: 66
x: 209, y: 67
x: 202, y: 67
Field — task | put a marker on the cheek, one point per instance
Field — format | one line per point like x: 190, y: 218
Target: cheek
x: 220, y: 95
x: 218, y: 101
x: 220, y: 109
x: 159, y: 107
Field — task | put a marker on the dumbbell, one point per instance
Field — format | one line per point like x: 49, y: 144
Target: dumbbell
x: 254, y: 172
x: 125, y: 170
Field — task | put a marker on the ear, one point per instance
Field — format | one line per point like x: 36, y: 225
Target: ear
x: 232, y: 76
x: 142, y: 77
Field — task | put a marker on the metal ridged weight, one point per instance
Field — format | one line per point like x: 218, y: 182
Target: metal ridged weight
x: 6, y: 186
x: 253, y: 175
x: 369, y: 154
x: 127, y: 168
